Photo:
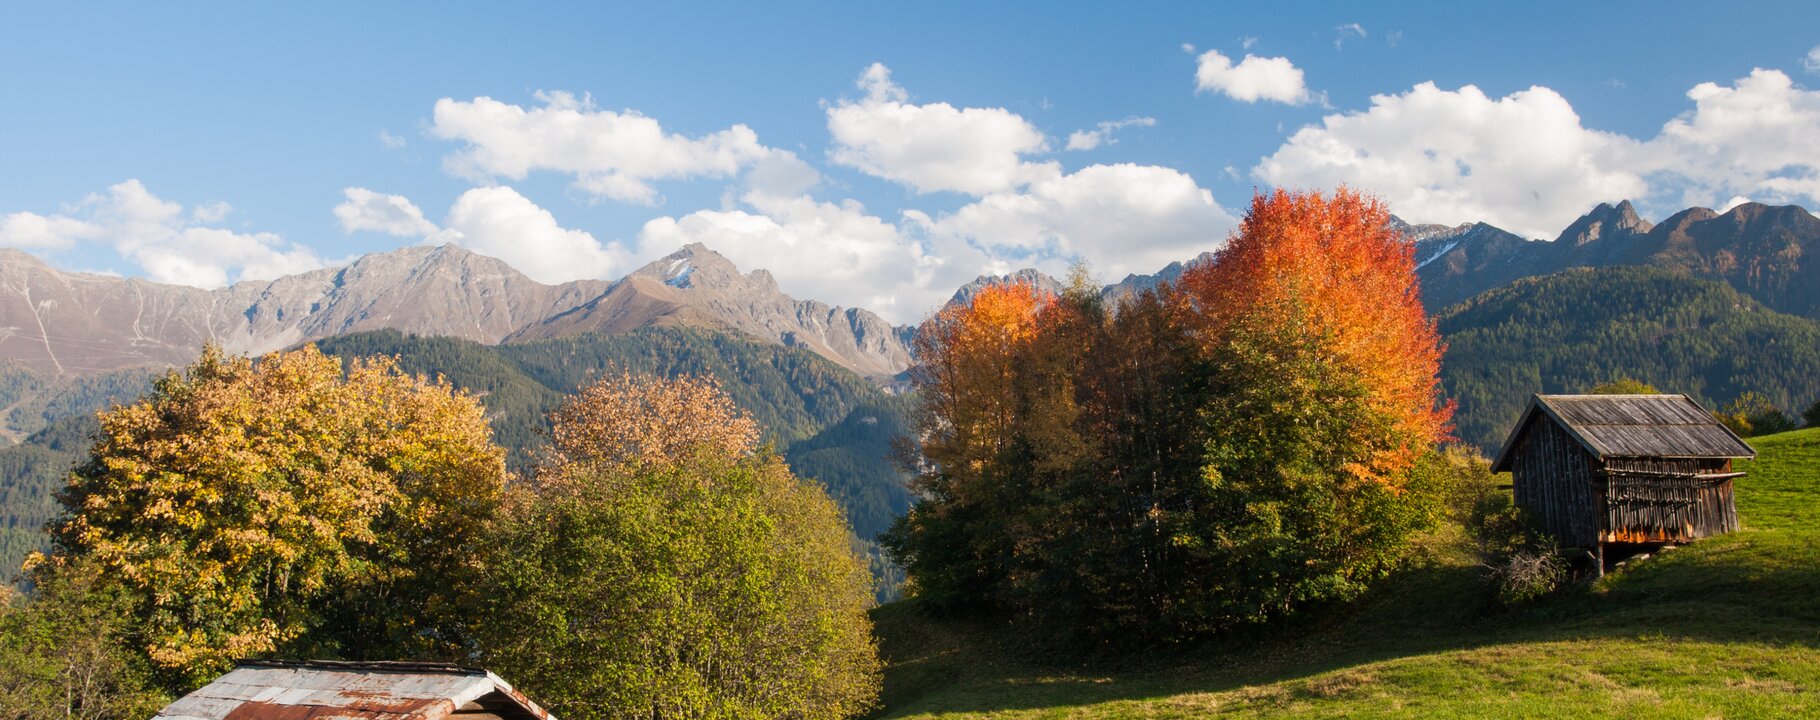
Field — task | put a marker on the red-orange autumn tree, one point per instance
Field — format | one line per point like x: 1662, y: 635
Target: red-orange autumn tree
x: 1322, y: 409
x: 1221, y: 450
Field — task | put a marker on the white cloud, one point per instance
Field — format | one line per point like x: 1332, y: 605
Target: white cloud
x: 499, y: 222
x: 1759, y: 138
x: 611, y: 154
x: 1120, y: 218
x: 1342, y: 33
x: 391, y: 142
x: 169, y: 245
x: 1102, y: 134
x: 1812, y: 62
x: 933, y: 147
x: 39, y: 232
x: 1252, y: 79
x: 1524, y: 162
x: 389, y: 214
x: 833, y: 252
x: 1521, y: 162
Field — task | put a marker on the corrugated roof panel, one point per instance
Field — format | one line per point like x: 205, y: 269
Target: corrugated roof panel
x: 1644, y: 425
x: 329, y: 690
x: 1633, y: 426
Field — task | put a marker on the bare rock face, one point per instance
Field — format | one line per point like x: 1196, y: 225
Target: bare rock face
x: 61, y: 323
x: 696, y: 286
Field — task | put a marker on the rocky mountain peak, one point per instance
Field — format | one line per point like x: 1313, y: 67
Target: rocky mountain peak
x: 1032, y: 276
x: 1604, y: 221
x: 1416, y: 233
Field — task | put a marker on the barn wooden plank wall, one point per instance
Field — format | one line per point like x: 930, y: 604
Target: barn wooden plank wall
x: 1655, y: 500
x: 1597, y: 469
x: 1553, y: 478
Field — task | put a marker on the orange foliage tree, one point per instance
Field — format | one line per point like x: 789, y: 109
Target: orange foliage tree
x: 1222, y: 450
x: 1334, y: 268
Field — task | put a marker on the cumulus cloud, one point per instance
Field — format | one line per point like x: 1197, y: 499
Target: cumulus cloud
x: 389, y: 214
x: 1252, y: 79
x: 1758, y: 138
x: 499, y: 222
x: 1102, y: 133
x: 933, y: 147
x: 1812, y: 61
x: 1525, y: 162
x: 837, y: 252
x: 1120, y: 218
x: 611, y: 154
x: 168, y: 244
x: 40, y: 232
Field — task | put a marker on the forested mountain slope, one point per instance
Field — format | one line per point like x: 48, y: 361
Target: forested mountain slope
x: 830, y: 424
x: 1575, y: 329
x: 812, y: 409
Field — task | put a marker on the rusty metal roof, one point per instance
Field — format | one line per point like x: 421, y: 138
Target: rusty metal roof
x: 1668, y: 426
x: 338, y: 690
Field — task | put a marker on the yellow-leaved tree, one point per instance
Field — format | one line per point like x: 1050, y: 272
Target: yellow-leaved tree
x: 287, y: 506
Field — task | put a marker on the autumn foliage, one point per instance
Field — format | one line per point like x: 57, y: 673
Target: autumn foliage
x: 1218, y: 451
x: 1334, y: 266
x: 290, y: 506
x: 667, y: 564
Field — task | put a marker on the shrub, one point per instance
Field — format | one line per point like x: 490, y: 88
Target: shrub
x: 1522, y: 563
x: 1753, y: 414
x: 669, y: 569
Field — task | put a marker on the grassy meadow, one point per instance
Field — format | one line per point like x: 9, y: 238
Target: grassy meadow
x: 1726, y: 627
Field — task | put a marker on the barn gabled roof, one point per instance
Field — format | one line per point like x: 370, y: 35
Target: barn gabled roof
x: 1671, y: 426
x: 336, y: 690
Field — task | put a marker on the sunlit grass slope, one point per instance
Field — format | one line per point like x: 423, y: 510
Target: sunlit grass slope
x: 1727, y: 627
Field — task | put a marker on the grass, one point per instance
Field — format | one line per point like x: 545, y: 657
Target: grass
x: 1726, y: 627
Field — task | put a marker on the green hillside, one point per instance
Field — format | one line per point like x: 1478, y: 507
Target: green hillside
x: 1572, y: 330
x: 829, y: 423
x: 815, y: 411
x: 1727, y: 627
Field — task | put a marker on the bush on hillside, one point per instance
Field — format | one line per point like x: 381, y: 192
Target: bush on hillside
x: 1753, y: 414
x: 66, y: 652
x: 1522, y: 563
x: 1623, y: 385
x: 666, y: 565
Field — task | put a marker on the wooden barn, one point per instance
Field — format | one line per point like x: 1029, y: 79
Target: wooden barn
x: 1599, y: 469
x: 335, y: 690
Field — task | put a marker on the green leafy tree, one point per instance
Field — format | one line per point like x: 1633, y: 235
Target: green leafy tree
x: 1753, y: 414
x: 667, y: 566
x: 1812, y: 414
x: 291, y: 506
x: 1623, y: 385
x: 66, y: 653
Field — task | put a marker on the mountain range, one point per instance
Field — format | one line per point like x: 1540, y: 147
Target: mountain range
x: 65, y: 323
x: 61, y: 323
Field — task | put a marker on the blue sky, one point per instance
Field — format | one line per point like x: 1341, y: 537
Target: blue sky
x: 208, y: 143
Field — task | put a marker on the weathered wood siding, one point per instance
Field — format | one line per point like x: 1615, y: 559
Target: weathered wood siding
x: 1656, y: 500
x: 1553, y: 477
